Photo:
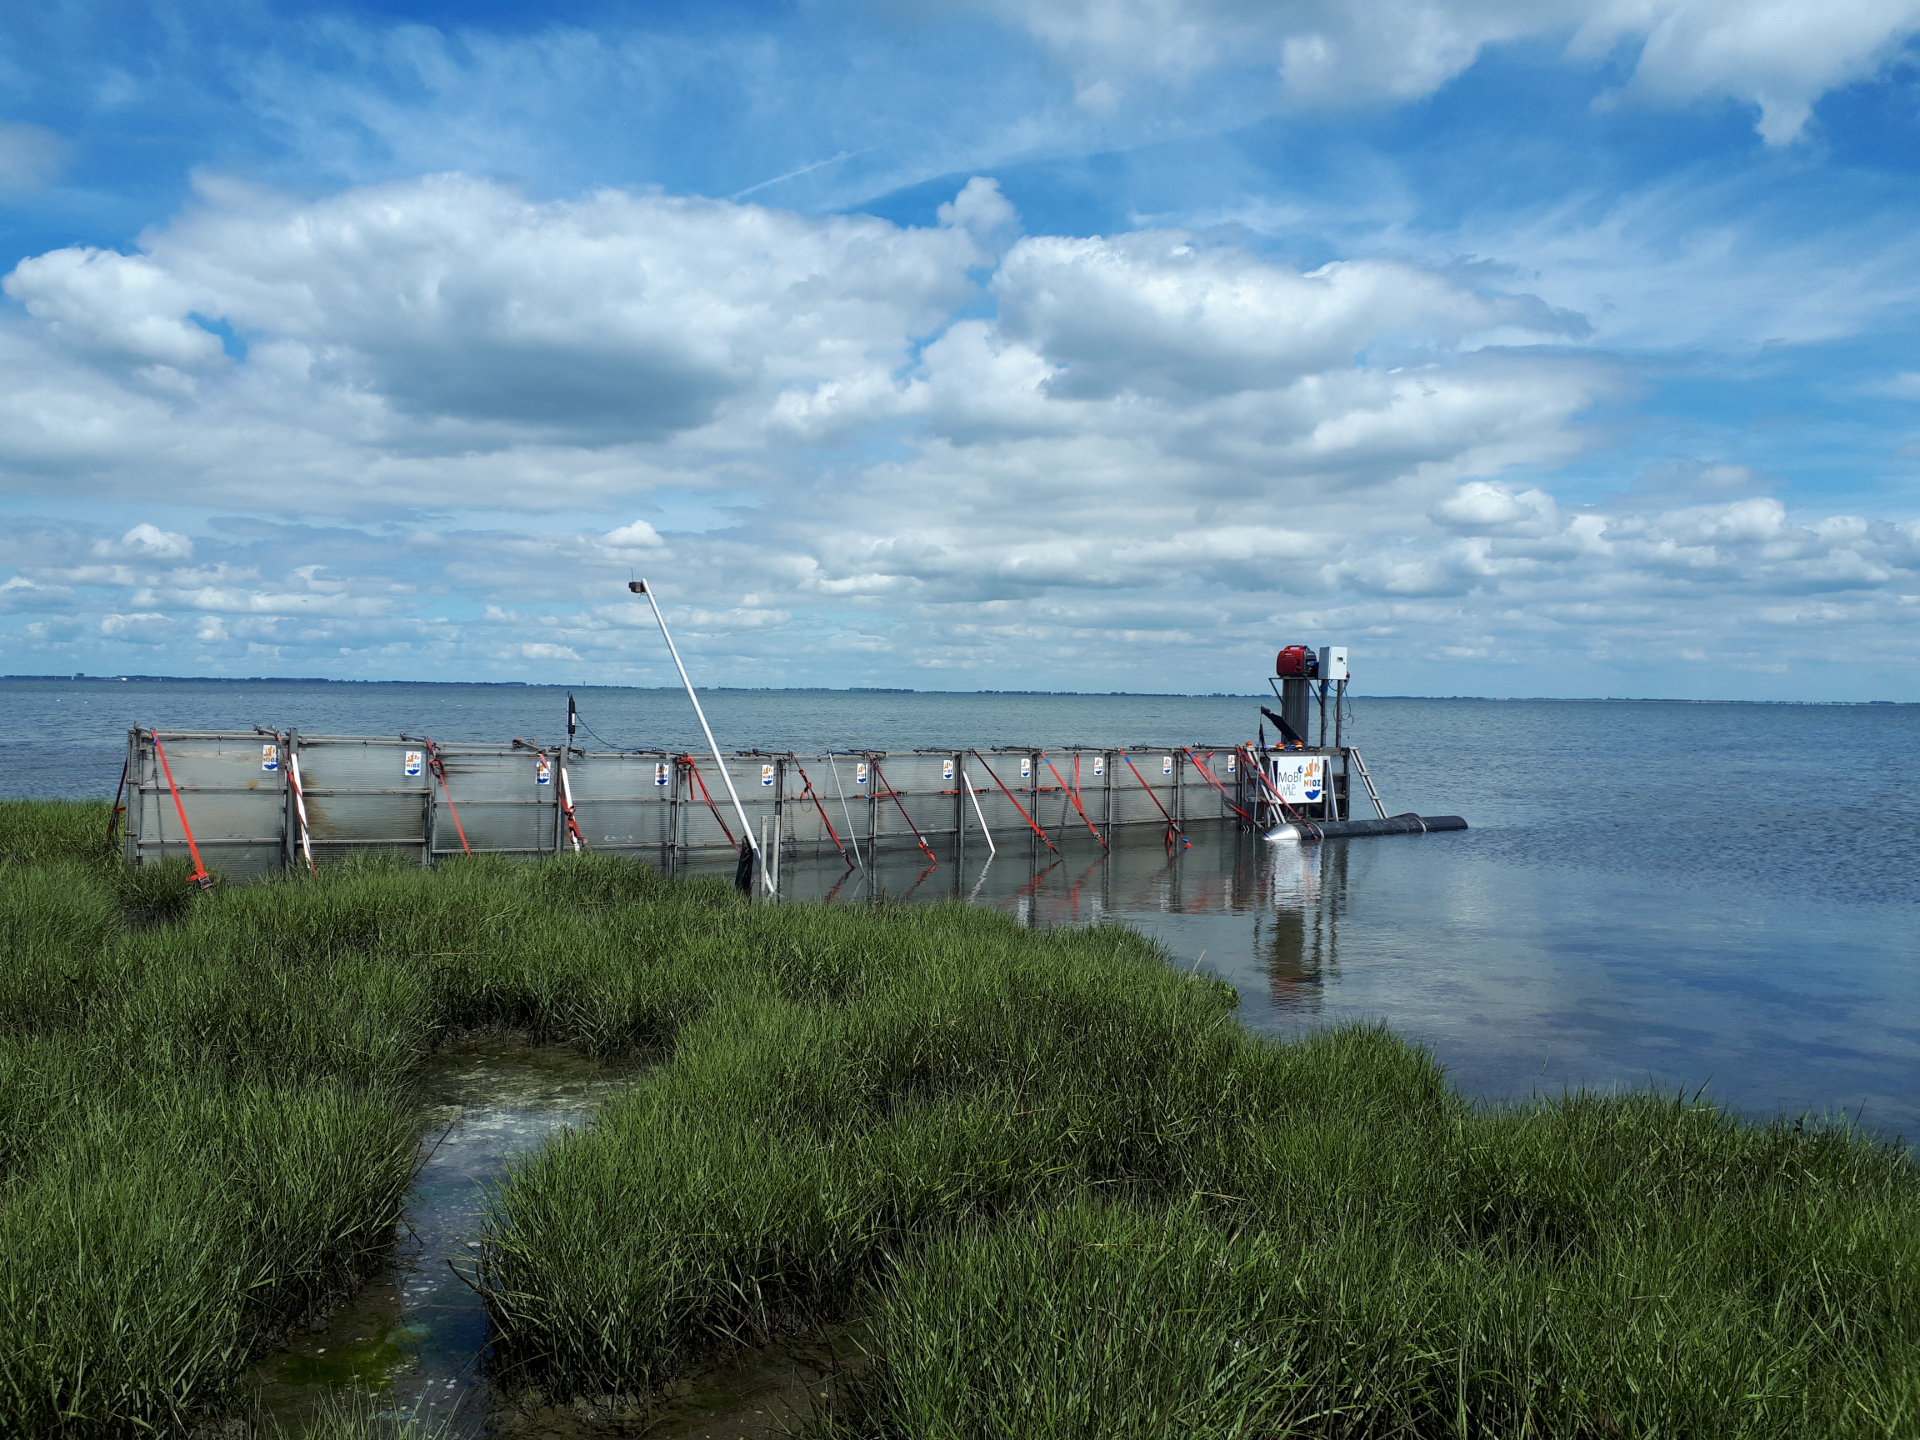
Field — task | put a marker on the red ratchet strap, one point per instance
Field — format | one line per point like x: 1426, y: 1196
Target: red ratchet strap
x: 1173, y: 828
x: 1016, y: 804
x: 694, y: 770
x: 199, y: 876
x: 891, y: 795
x: 566, y: 802
x: 565, y: 791
x: 299, y: 799
x: 440, y: 774
x: 808, y: 794
x: 1201, y: 766
x: 1278, y: 798
x: 1075, y: 798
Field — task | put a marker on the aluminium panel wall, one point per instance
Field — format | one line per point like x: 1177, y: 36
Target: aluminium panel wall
x: 380, y: 791
x: 231, y: 786
x: 624, y: 801
x: 360, y: 795
x: 505, y: 799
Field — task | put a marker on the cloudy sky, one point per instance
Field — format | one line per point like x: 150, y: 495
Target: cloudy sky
x: 1528, y: 347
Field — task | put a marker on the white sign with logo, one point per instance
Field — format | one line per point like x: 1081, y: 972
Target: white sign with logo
x: 1300, y: 779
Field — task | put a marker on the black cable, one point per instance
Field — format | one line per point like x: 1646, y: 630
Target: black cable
x: 624, y: 749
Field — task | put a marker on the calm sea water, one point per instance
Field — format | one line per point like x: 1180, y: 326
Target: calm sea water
x: 1696, y: 895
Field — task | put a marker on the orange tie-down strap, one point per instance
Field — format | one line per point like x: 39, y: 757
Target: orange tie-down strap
x: 694, y: 770
x: 1173, y: 826
x: 440, y: 773
x: 1075, y: 798
x: 1202, y: 767
x: 809, y: 794
x: 887, y: 785
x: 1016, y: 804
x: 199, y: 876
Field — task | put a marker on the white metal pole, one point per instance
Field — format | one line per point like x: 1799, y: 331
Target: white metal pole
x: 566, y: 789
x: 640, y: 587
x: 852, y: 839
x: 992, y: 850
x: 300, y: 804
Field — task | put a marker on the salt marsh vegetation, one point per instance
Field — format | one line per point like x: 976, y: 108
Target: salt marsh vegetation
x: 1048, y: 1179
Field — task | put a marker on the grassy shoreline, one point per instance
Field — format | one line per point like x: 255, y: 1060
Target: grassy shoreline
x: 1059, y: 1186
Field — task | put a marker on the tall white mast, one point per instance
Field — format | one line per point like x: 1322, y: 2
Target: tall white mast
x: 639, y: 587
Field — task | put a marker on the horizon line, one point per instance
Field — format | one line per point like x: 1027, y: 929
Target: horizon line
x: 909, y: 690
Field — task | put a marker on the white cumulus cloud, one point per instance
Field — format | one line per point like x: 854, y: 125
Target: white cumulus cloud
x: 1779, y: 56
x: 862, y: 449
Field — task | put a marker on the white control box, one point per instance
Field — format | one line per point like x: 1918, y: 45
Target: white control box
x: 1333, y: 662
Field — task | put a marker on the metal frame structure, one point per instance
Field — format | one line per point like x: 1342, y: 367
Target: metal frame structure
x: 435, y: 801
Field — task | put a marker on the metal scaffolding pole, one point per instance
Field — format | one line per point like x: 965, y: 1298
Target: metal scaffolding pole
x: 639, y: 587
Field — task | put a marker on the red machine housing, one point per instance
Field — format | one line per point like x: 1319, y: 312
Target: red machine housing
x: 1296, y: 660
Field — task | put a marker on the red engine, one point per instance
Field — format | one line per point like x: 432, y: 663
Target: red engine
x: 1297, y: 660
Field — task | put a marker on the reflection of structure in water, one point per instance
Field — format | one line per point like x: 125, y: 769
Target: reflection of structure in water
x: 1299, y: 942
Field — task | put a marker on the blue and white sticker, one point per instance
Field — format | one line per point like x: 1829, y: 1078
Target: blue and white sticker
x: 269, y: 757
x: 766, y: 775
x: 1099, y: 766
x: 543, y: 772
x: 1166, y: 764
x: 1231, y: 761
x: 946, y: 769
x: 1026, y: 769
x: 413, y: 762
x: 860, y: 773
x: 660, y: 772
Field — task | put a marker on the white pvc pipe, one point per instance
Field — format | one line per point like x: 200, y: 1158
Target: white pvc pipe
x: 991, y: 851
x: 573, y: 826
x: 640, y: 587
x: 300, y: 805
x: 852, y: 839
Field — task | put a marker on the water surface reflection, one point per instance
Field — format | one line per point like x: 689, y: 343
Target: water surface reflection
x: 1523, y: 977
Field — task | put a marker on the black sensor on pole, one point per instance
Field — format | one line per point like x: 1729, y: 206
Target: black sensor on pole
x: 572, y: 718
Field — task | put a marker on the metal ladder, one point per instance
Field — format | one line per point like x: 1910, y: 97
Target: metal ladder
x: 1367, y: 780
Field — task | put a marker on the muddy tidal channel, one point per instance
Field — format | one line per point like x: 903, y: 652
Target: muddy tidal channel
x: 412, y: 1343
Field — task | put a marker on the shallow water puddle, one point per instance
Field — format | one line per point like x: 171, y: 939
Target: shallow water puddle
x: 755, y: 1394
x: 415, y: 1335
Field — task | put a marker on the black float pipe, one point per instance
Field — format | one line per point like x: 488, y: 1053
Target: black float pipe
x: 1340, y: 829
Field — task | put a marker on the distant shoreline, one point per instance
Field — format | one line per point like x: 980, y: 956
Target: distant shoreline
x: 905, y: 690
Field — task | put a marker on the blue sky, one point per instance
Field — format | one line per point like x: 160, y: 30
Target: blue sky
x: 1552, y: 348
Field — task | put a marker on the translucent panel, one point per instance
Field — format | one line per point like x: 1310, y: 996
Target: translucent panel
x: 377, y: 792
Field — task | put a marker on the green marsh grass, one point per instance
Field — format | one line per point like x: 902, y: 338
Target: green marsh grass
x: 1055, y: 1183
